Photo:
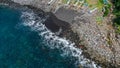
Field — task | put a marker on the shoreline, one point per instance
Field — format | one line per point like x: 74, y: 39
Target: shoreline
x: 69, y: 34
x: 67, y: 31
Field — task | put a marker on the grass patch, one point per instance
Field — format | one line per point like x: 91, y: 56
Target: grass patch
x: 100, y: 4
x: 118, y: 29
x: 109, y: 41
x: 73, y: 1
x: 64, y: 1
x: 99, y: 20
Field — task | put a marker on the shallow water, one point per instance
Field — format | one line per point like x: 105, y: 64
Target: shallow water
x: 27, y: 43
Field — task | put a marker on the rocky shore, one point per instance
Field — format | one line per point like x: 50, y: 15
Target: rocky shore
x: 99, y: 43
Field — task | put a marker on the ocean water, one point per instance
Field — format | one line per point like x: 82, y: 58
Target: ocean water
x: 27, y: 43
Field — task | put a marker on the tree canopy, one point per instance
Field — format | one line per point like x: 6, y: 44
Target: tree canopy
x: 116, y: 12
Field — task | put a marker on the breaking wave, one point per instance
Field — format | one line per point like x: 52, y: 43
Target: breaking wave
x: 54, y: 42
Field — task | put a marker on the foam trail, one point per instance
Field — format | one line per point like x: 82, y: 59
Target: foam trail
x: 55, y: 42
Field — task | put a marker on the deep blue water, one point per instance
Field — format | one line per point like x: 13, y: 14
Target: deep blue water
x: 22, y: 48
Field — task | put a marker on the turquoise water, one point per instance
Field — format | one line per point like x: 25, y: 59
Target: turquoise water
x: 22, y: 48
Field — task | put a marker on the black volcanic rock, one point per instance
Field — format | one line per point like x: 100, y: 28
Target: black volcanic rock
x: 54, y: 24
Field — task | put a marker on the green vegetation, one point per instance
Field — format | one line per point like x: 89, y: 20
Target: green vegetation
x: 72, y: 1
x: 65, y: 1
x: 99, y: 20
x: 106, y: 10
x: 103, y: 5
x: 100, y: 4
x: 116, y: 12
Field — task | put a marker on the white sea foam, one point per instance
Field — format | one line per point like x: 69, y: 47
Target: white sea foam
x: 55, y: 42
